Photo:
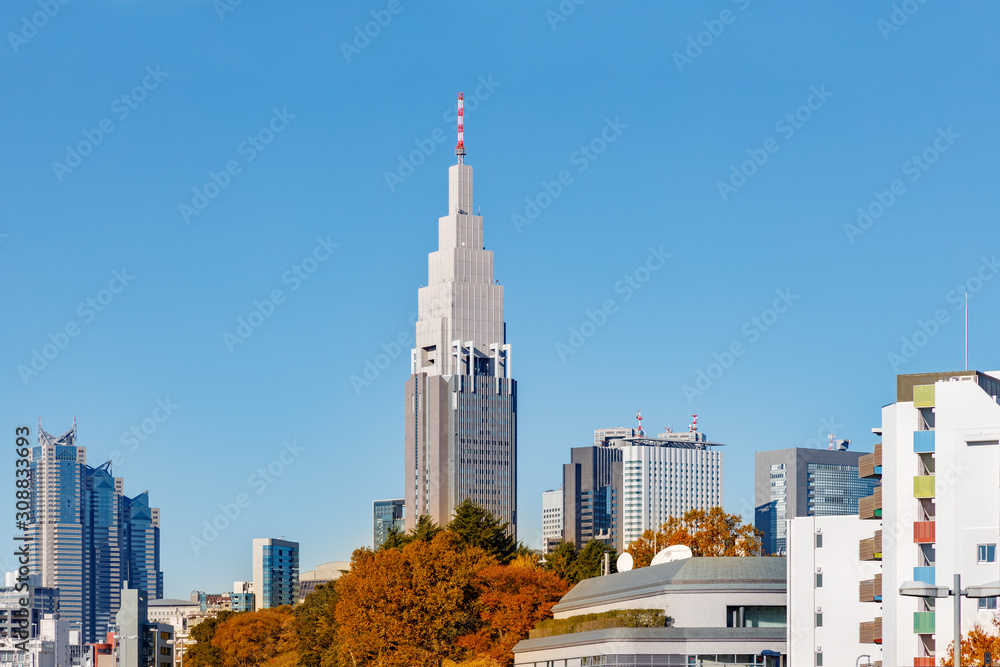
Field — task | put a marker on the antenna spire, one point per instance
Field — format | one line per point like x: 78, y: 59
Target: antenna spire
x: 460, y: 146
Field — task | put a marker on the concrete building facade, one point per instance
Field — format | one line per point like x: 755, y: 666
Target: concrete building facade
x: 795, y: 482
x: 461, y: 399
x: 552, y: 519
x: 829, y: 591
x: 937, y: 511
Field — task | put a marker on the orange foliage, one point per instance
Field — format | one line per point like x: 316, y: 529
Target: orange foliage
x: 708, y: 533
x: 250, y: 639
x: 975, y: 643
x: 512, y: 600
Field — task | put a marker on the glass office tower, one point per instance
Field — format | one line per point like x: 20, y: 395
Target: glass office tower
x: 386, y: 515
x: 275, y: 572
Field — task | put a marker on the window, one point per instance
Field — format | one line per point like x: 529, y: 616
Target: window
x: 819, y: 540
x: 987, y: 603
x: 819, y: 580
x: 819, y: 620
x: 987, y: 553
x: 819, y: 659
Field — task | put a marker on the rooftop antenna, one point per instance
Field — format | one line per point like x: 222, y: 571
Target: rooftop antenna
x: 460, y: 146
x: 693, y: 428
x: 966, y: 329
x: 830, y: 446
x: 638, y: 415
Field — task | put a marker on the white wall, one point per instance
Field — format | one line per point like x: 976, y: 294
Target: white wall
x: 839, y: 596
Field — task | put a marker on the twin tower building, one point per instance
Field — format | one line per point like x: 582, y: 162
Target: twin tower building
x: 461, y: 398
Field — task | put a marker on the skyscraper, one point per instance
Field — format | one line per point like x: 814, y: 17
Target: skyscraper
x: 386, y: 515
x: 803, y: 482
x: 275, y: 572
x: 87, y: 537
x: 461, y: 398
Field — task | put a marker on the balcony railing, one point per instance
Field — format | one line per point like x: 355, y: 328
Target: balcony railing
x: 870, y: 590
x: 871, y: 548
x: 923, y: 442
x: 870, y: 465
x: 870, y: 507
x: 923, y: 532
x: 923, y: 487
x: 923, y: 622
x: 871, y: 632
x: 923, y: 396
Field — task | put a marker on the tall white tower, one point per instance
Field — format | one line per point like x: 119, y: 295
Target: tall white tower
x: 461, y: 399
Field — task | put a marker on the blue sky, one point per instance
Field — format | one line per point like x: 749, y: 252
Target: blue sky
x: 746, y: 135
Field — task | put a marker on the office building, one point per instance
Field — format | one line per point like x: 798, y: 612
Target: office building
x: 591, y: 488
x: 829, y: 591
x: 803, y: 482
x: 275, y: 572
x: 719, y: 611
x: 666, y: 477
x: 461, y: 398
x: 16, y: 624
x: 87, y: 537
x: 387, y: 515
x: 242, y: 598
x: 936, y: 513
x: 140, y: 641
x: 552, y: 519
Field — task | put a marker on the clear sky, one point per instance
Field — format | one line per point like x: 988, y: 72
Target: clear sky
x: 201, y: 149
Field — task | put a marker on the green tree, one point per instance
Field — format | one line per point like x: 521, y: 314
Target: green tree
x: 202, y: 653
x: 477, y: 527
x: 316, y: 624
x: 590, y: 560
x: 562, y: 562
x: 395, y: 539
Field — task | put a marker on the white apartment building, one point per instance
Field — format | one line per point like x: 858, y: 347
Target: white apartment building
x: 552, y: 518
x: 825, y: 604
x: 939, y: 506
x: 665, y: 477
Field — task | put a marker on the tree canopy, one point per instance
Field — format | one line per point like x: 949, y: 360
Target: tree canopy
x: 246, y: 640
x: 566, y: 563
x: 707, y: 532
x: 477, y: 527
x: 975, y: 644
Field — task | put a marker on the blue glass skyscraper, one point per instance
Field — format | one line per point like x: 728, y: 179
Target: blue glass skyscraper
x: 275, y: 572
x: 87, y: 537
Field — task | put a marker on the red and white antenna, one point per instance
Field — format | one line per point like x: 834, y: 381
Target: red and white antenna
x: 638, y: 415
x: 831, y: 447
x: 460, y: 146
x: 693, y: 428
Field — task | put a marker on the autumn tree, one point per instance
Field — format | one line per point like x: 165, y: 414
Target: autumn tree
x: 975, y: 644
x: 253, y: 638
x: 316, y: 625
x: 707, y: 532
x: 511, y: 600
x: 202, y: 653
x: 407, y: 607
x: 477, y: 527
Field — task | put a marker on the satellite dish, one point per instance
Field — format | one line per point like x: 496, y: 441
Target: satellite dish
x: 624, y: 562
x: 672, y: 553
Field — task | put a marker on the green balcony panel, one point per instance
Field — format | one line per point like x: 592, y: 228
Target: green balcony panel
x: 923, y: 486
x: 923, y: 622
x: 923, y: 396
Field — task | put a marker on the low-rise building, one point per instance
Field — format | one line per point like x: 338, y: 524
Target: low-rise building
x: 323, y: 574
x: 726, y: 611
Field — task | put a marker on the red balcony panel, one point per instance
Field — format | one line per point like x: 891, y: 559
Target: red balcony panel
x: 923, y: 662
x: 923, y: 532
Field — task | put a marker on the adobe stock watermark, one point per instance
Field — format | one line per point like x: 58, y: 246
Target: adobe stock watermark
x: 899, y: 17
x: 294, y: 277
x: 927, y: 329
x: 697, y: 43
x: 87, y: 311
x: 581, y: 158
x: 223, y: 7
x: 30, y: 25
x: 751, y: 330
x: 139, y: 433
x: 786, y: 126
x: 562, y: 12
x: 381, y: 18
x: 122, y: 107
x: 409, y: 163
x: 915, y: 167
x: 248, y: 150
x: 258, y: 482
x: 375, y: 365
x: 627, y: 287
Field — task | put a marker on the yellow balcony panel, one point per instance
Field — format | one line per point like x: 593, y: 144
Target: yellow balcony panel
x: 923, y: 486
x: 923, y: 396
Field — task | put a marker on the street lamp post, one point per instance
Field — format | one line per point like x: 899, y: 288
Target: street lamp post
x: 920, y: 589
